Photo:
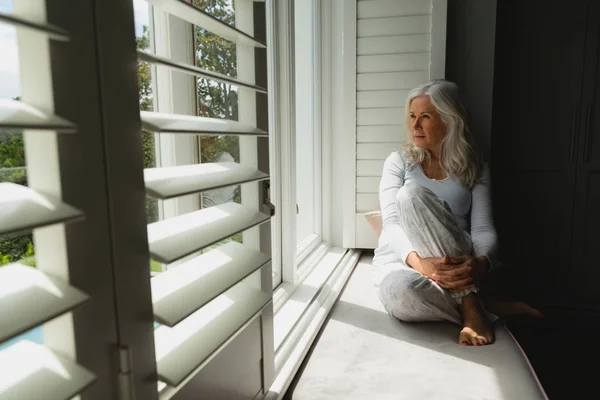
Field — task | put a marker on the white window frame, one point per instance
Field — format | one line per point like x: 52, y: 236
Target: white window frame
x: 174, y: 93
x: 292, y: 253
x: 307, y: 244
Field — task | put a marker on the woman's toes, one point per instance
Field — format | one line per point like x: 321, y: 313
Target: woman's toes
x: 465, y: 339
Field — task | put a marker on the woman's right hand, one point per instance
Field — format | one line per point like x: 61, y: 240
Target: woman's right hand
x: 430, y: 266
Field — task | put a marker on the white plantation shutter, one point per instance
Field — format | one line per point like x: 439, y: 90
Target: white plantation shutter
x: 205, y: 301
x: 30, y: 297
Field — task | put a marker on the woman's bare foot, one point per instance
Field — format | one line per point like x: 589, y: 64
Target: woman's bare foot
x: 506, y: 308
x: 477, y: 330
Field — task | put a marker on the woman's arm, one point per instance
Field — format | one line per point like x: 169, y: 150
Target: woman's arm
x: 392, y: 179
x: 483, y: 232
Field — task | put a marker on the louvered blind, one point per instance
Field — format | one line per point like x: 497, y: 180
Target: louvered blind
x: 30, y: 297
x: 204, y: 300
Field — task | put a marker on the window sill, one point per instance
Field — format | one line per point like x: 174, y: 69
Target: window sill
x: 301, y: 310
x: 298, y: 297
x: 286, y: 289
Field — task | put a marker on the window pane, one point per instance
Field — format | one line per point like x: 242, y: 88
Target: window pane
x: 146, y: 99
x: 143, y: 40
x: 12, y: 150
x: 216, y: 99
x: 12, y: 160
x: 305, y: 143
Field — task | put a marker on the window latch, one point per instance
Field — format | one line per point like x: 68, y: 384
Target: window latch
x: 270, y: 207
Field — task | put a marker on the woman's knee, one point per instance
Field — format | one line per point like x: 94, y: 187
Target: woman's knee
x: 411, y: 192
x: 403, y: 294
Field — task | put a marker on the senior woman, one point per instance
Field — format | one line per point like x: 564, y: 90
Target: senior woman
x: 438, y: 237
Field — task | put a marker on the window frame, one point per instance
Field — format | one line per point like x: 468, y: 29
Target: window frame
x: 293, y: 254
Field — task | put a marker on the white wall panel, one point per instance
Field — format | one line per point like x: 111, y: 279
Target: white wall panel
x: 379, y: 134
x: 366, y: 202
x: 364, y: 235
x: 394, y: 26
x: 393, y: 44
x: 369, y: 167
x: 391, y: 80
x: 392, y: 8
x: 380, y: 116
x: 393, y: 62
x: 367, y: 184
x: 381, y: 98
x: 376, y: 151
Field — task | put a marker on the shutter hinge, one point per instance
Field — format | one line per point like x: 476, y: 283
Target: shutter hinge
x: 125, y: 374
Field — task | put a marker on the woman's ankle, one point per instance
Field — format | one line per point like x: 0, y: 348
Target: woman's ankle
x: 470, y: 304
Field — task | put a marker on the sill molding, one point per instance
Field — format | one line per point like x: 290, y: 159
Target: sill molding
x: 297, y: 343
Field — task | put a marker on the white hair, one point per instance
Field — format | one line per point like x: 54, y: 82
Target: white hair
x: 457, y: 154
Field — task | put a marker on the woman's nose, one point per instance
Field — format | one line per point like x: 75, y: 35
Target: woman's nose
x: 416, y: 123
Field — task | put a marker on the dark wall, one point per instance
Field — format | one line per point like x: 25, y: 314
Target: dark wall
x: 470, y: 39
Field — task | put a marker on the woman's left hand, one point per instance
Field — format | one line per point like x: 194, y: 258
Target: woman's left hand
x: 456, y: 269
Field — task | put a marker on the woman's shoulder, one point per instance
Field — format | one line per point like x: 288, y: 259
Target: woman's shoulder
x: 397, y: 157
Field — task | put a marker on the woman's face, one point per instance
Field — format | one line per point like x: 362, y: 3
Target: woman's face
x: 426, y: 124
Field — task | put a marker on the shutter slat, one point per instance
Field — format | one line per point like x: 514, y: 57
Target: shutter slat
x: 195, y: 16
x: 31, y: 371
x: 23, y: 208
x: 16, y: 115
x: 174, y: 123
x: 196, y: 71
x: 182, y: 290
x: 30, y: 298
x: 190, y: 344
x: 177, y: 237
x: 51, y: 31
x: 168, y: 182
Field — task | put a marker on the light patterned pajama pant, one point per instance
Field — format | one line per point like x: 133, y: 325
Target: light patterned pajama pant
x: 433, y: 231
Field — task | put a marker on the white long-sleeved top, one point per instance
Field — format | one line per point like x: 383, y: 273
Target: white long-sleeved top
x: 471, y: 208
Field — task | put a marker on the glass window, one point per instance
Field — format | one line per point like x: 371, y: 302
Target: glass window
x: 146, y: 99
x: 12, y: 160
x: 216, y: 99
x: 12, y: 150
x: 142, y: 12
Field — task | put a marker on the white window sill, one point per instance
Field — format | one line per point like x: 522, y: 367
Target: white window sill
x: 288, y: 312
x: 301, y: 309
x: 286, y: 289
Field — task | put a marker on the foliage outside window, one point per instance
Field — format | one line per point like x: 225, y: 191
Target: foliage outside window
x: 217, y: 99
x: 146, y: 104
x: 12, y: 149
